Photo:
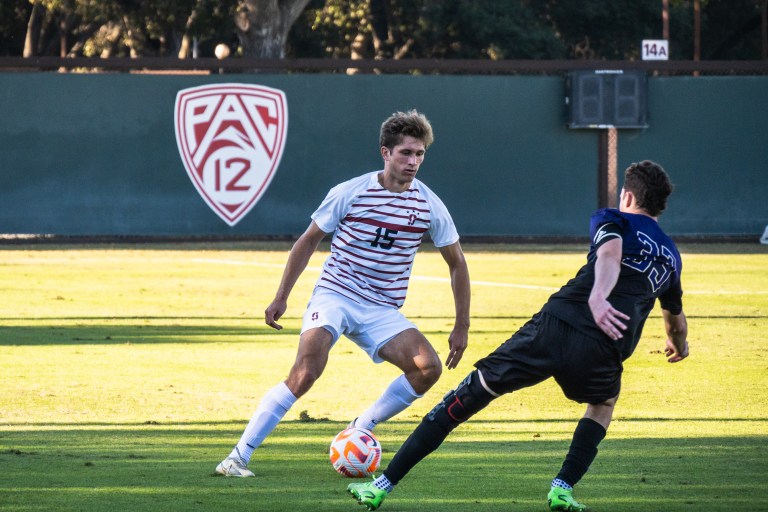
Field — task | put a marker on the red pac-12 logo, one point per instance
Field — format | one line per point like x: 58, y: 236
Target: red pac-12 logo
x: 231, y: 138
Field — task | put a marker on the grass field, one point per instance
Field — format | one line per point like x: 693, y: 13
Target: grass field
x: 128, y: 373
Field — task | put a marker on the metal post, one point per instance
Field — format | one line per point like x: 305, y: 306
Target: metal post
x: 696, y: 32
x: 607, y: 179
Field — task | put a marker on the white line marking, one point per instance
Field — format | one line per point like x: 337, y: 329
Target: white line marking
x: 474, y: 283
x: 489, y: 283
x: 418, y: 278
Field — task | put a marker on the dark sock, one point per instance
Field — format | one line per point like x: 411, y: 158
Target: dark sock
x: 456, y: 407
x: 582, y: 452
x: 427, y: 437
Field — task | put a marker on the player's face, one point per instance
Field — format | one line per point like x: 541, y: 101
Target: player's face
x: 401, y: 163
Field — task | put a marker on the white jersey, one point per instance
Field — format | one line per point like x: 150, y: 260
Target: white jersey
x: 376, y: 236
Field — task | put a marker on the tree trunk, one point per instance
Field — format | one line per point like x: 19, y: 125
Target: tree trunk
x: 185, y: 50
x: 382, y: 39
x: 764, y: 30
x: 263, y: 26
x: 63, y: 31
x: 33, y: 30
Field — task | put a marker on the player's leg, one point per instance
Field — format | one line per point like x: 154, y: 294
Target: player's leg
x: 412, y: 353
x: 311, y: 359
x: 589, y: 432
x: 592, y: 371
x: 457, y: 406
x: 521, y: 361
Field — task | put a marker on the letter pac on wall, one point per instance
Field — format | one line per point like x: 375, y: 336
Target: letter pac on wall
x: 231, y: 139
x: 606, y: 98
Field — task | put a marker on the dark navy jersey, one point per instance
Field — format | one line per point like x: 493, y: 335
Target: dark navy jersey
x: 650, y: 269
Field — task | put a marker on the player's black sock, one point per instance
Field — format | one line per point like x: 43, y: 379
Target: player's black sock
x: 456, y: 407
x: 427, y: 437
x: 583, y: 450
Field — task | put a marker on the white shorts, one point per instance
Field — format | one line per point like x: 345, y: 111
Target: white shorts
x: 369, y: 326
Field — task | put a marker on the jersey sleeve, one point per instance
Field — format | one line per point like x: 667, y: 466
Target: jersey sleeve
x: 606, y: 216
x: 441, y: 229
x: 334, y: 207
x: 605, y: 232
x: 672, y: 299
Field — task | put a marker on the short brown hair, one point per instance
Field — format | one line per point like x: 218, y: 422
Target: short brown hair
x: 650, y: 184
x: 405, y: 124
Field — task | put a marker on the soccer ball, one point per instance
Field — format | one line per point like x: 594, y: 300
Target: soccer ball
x: 355, y: 452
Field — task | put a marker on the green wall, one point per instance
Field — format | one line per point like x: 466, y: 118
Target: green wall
x: 96, y: 154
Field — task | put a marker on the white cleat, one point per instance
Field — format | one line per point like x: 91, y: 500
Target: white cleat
x: 232, y: 466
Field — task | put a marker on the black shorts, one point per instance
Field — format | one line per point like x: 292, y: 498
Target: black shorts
x: 588, y: 370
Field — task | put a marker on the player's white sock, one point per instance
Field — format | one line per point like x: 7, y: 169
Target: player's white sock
x: 384, y: 484
x: 396, y: 398
x: 561, y: 484
x: 271, y: 410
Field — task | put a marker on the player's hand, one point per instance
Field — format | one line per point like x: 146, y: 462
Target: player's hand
x: 609, y: 319
x: 273, y: 313
x: 457, y: 344
x: 673, y: 355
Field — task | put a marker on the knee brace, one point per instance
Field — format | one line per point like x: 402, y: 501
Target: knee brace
x: 460, y: 404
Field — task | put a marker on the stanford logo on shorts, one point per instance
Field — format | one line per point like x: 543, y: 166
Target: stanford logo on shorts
x: 231, y: 138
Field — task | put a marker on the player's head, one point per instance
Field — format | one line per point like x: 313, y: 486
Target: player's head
x: 405, y: 124
x: 650, y: 184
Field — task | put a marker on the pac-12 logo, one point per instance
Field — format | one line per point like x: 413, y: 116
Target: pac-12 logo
x: 231, y: 138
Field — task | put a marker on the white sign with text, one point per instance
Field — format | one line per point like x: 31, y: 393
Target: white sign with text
x: 655, y: 49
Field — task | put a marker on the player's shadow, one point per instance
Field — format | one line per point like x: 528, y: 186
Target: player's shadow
x: 49, y: 332
x: 170, y: 467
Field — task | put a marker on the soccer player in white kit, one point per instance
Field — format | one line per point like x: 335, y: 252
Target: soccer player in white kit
x: 378, y: 221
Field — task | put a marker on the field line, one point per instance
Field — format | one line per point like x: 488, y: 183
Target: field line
x: 416, y: 278
x: 474, y: 283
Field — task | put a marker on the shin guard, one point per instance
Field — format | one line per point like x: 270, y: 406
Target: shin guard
x: 455, y: 408
x: 462, y: 403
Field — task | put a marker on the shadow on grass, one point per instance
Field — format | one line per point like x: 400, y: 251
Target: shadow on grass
x: 156, y: 467
x: 301, y: 423
x: 145, y: 330
x: 119, y: 334
x: 181, y: 329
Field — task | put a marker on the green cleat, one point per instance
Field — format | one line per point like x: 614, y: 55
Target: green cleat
x: 560, y: 499
x: 367, y: 494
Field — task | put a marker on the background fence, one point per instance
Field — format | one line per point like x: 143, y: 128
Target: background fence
x: 95, y: 154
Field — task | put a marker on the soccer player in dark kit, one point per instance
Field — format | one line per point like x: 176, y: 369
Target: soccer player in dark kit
x: 580, y: 337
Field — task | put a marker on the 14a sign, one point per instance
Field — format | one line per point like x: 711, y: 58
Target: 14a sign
x: 655, y: 49
x: 231, y: 139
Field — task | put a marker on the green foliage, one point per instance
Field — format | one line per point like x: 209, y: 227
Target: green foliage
x: 117, y: 28
x: 528, y: 29
x: 488, y: 29
x: 599, y: 29
x: 732, y: 30
x: 470, y: 29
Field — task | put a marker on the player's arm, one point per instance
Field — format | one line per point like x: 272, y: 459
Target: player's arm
x: 607, y: 269
x: 677, y: 336
x: 457, y: 266
x: 675, y: 323
x: 298, y: 259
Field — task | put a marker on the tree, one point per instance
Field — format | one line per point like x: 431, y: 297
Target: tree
x: 396, y: 29
x: 381, y: 29
x: 263, y: 25
x: 156, y: 27
x: 487, y: 29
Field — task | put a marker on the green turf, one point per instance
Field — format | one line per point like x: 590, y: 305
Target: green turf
x: 127, y: 374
